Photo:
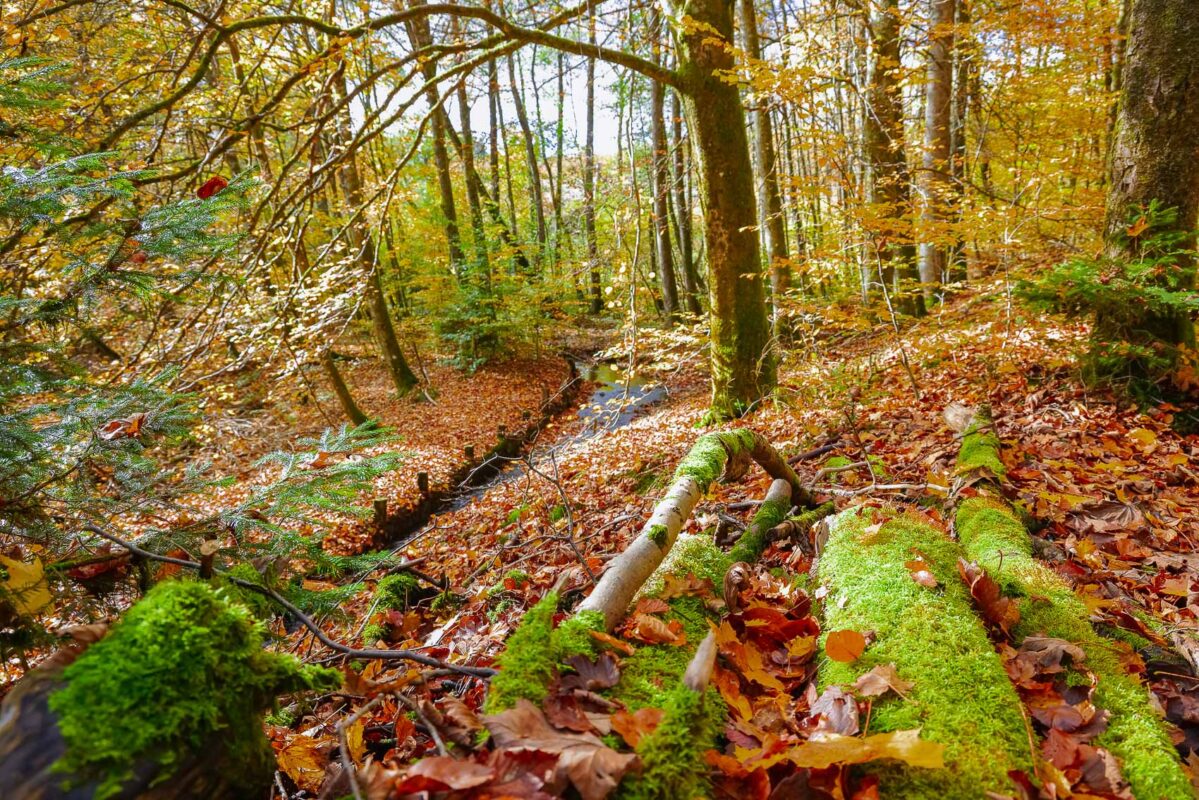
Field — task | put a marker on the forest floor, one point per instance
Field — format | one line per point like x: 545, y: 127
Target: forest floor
x: 1114, y: 492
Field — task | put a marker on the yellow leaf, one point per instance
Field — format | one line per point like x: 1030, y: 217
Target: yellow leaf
x: 824, y: 750
x: 26, y: 583
x: 1138, y: 227
x: 1146, y: 437
x: 356, y: 740
x: 304, y: 763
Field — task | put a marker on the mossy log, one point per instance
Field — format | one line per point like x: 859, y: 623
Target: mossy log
x: 993, y: 535
x: 168, y: 705
x: 535, y: 648
x: 961, y: 696
x: 726, y: 453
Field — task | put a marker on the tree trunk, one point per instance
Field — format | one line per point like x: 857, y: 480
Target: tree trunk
x: 1155, y: 154
x: 936, y: 184
x: 535, y: 199
x: 418, y: 30
x: 341, y: 388
x: 743, y: 368
x: 682, y: 209
x: 660, y: 174
x: 775, y: 232
x: 889, y: 183
x: 481, y: 272
x: 597, y: 298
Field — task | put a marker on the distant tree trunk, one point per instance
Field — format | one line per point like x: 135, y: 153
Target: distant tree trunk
x: 889, y: 182
x: 597, y: 298
x: 348, y: 406
x: 963, y: 68
x: 936, y: 184
x: 1155, y: 154
x: 743, y: 369
x: 535, y: 200
x: 493, y: 128
x: 366, y: 250
x: 682, y: 209
x: 771, y: 201
x: 481, y: 272
x: 418, y: 31
x: 660, y: 175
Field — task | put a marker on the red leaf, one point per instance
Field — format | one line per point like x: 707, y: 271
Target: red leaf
x: 213, y: 186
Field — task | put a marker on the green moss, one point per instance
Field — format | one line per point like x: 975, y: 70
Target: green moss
x: 993, y: 536
x: 573, y: 637
x: 754, y: 541
x: 183, y: 671
x: 692, y: 554
x: 672, y: 757
x: 705, y: 461
x: 980, y: 447
x: 394, y: 592
x: 877, y: 465
x: 657, y: 534
x: 961, y: 697
x: 528, y: 664
x: 445, y: 601
x: 518, y: 577
x: 652, y: 671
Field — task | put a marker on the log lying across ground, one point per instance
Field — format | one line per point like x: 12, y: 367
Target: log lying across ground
x: 993, y: 535
x: 534, y: 650
x: 960, y: 696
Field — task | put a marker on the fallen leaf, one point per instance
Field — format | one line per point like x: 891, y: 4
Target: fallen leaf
x: 633, y: 727
x: 844, y: 645
x: 25, y: 584
x: 879, y: 680
x: 826, y: 749
x: 444, y: 773
x: 838, y: 712
x: 212, y: 186
x: 591, y: 766
x: 591, y: 675
x: 303, y: 760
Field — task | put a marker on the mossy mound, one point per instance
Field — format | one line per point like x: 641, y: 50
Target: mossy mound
x: 993, y: 535
x: 961, y: 696
x: 980, y: 448
x: 672, y: 757
x: 183, y: 672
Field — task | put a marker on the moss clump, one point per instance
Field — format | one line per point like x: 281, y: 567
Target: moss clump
x: 877, y: 465
x: 657, y: 534
x: 692, y: 554
x: 395, y: 592
x: 672, y: 757
x: 751, y: 545
x: 994, y: 537
x: 961, y: 697
x: 518, y: 577
x: 648, y: 675
x: 573, y: 637
x: 527, y: 665
x: 706, y: 459
x: 980, y: 447
x: 183, y: 671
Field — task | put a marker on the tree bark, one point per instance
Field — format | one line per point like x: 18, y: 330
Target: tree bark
x: 660, y: 173
x: 936, y: 184
x: 889, y: 182
x: 1155, y: 153
x: 535, y: 198
x: 682, y: 209
x: 597, y: 298
x: 341, y: 388
x: 418, y: 31
x: 743, y: 368
x: 775, y: 233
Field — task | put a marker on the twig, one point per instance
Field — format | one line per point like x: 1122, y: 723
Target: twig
x: 304, y: 619
x: 880, y: 487
x: 815, y: 453
x: 415, y: 708
x: 346, y: 761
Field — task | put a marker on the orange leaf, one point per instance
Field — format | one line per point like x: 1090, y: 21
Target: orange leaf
x: 632, y: 727
x: 212, y: 186
x: 844, y: 645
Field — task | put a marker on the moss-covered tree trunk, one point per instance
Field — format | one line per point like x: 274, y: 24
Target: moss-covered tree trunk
x: 743, y: 366
x: 1155, y: 151
x: 993, y: 535
x: 889, y: 186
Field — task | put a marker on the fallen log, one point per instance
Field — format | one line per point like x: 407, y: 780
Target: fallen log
x: 993, y: 535
x: 168, y: 705
x: 536, y: 647
x: 960, y: 696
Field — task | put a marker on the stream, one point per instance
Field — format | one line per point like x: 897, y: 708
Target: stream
x: 615, y: 402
